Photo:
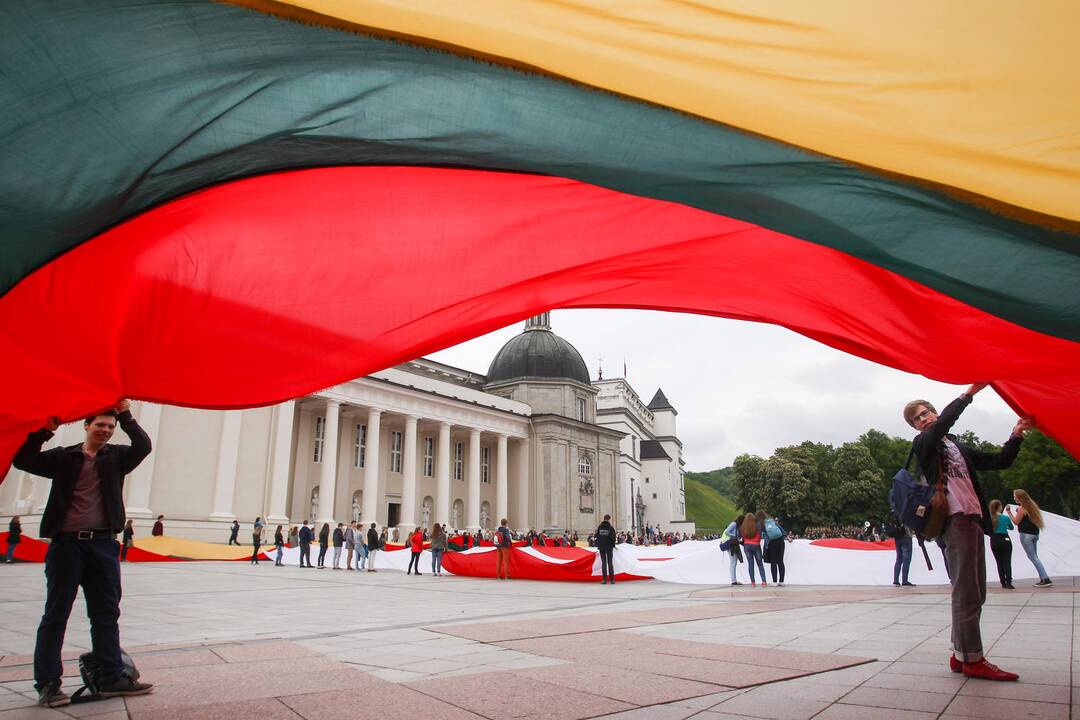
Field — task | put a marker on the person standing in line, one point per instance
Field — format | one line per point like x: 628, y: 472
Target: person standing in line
x: 416, y: 547
x: 256, y: 541
x: 279, y: 543
x: 294, y: 536
x: 902, y: 544
x: 1001, y: 544
x: 942, y: 458
x: 127, y: 539
x: 772, y: 536
x: 438, y: 547
x: 384, y: 537
x: 159, y: 526
x: 324, y: 545
x: 504, y: 545
x: 304, y: 539
x: 1029, y: 520
x: 361, y: 547
x: 730, y: 536
x: 84, y: 512
x: 234, y: 533
x: 14, y: 538
x: 350, y: 544
x: 605, y: 545
x: 339, y: 542
x: 751, y: 539
x: 373, y: 546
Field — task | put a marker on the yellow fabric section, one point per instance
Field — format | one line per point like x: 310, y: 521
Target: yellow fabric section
x: 194, y: 549
x: 974, y: 95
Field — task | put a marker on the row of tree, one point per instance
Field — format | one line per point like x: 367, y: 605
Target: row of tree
x: 813, y: 484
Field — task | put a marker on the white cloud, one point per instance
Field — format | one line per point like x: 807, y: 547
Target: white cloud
x: 744, y: 387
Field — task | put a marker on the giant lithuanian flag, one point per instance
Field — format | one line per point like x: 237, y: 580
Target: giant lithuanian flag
x: 225, y: 205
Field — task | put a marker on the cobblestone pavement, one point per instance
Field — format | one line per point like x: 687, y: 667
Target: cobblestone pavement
x: 228, y: 640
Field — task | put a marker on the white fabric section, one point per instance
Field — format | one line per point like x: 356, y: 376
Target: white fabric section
x: 703, y: 563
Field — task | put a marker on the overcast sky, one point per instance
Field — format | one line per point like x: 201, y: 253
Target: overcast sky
x: 743, y: 387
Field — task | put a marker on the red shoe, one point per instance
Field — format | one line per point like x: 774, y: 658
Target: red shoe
x: 987, y: 671
x: 955, y: 665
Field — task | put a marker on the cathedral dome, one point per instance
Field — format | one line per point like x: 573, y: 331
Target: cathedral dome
x: 538, y: 353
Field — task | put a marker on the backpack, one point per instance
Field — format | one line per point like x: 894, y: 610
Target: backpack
x: 919, y: 507
x: 772, y: 529
x: 503, y: 537
x: 92, y: 676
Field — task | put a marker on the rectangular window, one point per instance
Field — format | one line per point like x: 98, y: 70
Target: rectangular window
x: 395, y: 452
x: 459, y: 460
x: 581, y: 409
x: 360, y: 449
x: 485, y: 465
x: 429, y: 457
x: 320, y: 438
x: 654, y: 496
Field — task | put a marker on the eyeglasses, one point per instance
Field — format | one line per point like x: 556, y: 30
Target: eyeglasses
x: 927, y: 412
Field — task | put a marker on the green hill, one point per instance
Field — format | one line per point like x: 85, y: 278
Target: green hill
x: 706, y: 507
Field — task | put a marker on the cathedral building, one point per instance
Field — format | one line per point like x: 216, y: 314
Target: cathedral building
x: 534, y: 441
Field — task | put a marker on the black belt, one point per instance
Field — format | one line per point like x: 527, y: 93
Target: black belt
x: 92, y: 534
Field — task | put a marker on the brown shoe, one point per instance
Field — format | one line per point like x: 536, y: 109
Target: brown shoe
x: 124, y: 686
x: 50, y: 695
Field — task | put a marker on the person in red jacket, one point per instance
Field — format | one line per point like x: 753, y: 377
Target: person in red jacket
x: 416, y: 544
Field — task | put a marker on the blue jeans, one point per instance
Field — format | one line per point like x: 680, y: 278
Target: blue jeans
x: 10, y: 552
x: 903, y: 559
x: 753, y: 554
x: 277, y: 560
x: 734, y: 564
x: 436, y: 561
x: 95, y: 565
x: 1030, y: 544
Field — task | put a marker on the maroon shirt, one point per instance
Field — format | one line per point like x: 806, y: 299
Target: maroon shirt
x: 87, y: 509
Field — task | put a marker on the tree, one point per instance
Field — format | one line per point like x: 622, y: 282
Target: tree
x: 789, y: 492
x: 1047, y: 472
x: 749, y: 480
x: 889, y: 453
x: 861, y: 492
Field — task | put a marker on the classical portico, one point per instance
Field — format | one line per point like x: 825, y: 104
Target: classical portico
x: 394, y: 448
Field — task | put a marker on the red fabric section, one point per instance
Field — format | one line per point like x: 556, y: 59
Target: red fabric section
x: 272, y: 287
x: 847, y: 544
x: 524, y: 566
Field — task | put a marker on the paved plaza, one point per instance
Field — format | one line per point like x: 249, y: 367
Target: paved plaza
x: 228, y: 640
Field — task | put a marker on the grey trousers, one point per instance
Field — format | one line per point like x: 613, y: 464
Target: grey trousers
x: 966, y: 552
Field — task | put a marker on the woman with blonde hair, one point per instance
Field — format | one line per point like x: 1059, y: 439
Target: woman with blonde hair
x: 751, y: 538
x: 1029, y: 520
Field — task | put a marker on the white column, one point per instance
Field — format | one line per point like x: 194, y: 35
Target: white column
x: 225, y: 478
x: 523, y: 483
x: 279, y: 463
x: 442, y: 476
x: 501, y: 509
x: 328, y: 473
x: 369, y: 512
x: 408, y: 477
x: 140, y: 482
x: 472, y: 501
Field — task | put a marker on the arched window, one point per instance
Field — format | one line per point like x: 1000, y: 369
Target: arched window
x: 485, y: 515
x: 357, y: 504
x: 584, y: 465
x: 314, y: 505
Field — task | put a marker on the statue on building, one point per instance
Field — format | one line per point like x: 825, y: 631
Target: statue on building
x: 585, y: 493
x: 314, y: 505
x: 485, y: 516
x: 356, y: 506
x: 425, y: 513
x: 639, y: 511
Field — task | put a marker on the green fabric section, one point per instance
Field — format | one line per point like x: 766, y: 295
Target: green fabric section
x: 113, y: 107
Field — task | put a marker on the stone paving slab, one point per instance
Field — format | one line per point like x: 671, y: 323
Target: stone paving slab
x: 511, y: 695
x: 520, y: 630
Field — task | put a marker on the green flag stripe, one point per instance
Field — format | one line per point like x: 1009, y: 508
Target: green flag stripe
x: 116, y: 108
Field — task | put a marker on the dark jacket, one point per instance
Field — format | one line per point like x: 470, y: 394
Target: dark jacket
x: 605, y: 536
x: 929, y: 453
x: 373, y: 539
x: 339, y: 537
x: 279, y: 539
x: 14, y: 533
x: 306, y: 536
x: 62, y: 466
